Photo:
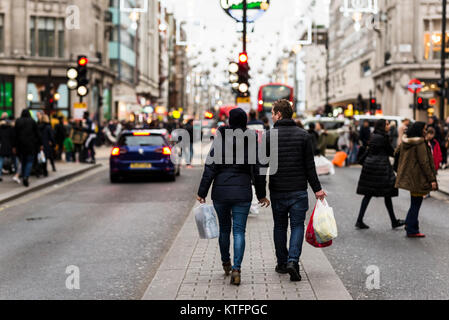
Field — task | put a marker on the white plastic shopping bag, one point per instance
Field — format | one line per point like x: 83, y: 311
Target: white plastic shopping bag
x: 255, y: 206
x: 324, y: 222
x: 41, y: 157
x: 206, y: 221
x: 324, y: 166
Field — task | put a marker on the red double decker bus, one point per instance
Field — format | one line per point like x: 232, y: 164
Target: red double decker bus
x: 270, y: 93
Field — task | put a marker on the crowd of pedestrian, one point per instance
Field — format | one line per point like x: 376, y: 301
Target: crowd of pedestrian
x: 28, y: 146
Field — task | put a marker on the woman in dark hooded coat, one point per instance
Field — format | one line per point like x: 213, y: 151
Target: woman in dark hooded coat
x: 378, y: 178
x: 232, y: 187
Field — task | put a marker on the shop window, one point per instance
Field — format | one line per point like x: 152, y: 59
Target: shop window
x: 433, y: 40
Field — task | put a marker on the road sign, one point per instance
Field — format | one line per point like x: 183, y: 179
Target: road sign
x: 79, y: 109
x: 244, y: 103
x: 415, y: 86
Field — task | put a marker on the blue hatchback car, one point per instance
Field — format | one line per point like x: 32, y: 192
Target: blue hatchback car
x: 140, y: 152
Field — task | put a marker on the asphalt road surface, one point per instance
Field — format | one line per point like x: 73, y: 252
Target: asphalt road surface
x: 408, y: 268
x: 116, y: 234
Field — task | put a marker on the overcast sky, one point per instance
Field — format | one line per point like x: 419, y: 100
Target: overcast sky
x: 210, y: 27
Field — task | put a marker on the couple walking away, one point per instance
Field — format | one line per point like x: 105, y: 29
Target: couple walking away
x: 232, y: 190
x: 415, y: 173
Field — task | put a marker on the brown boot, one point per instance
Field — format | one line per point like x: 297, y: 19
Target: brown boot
x: 235, y: 277
x: 227, y: 267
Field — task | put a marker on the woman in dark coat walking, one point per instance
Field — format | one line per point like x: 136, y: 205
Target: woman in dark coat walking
x: 232, y: 189
x: 377, y: 178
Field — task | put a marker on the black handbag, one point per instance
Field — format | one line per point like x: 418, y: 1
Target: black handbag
x: 396, y: 161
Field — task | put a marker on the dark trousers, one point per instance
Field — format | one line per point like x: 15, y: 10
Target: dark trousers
x: 293, y: 205
x: 388, y: 203
x: 411, y: 222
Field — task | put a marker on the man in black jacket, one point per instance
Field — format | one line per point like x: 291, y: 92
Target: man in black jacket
x: 28, y: 143
x: 288, y: 186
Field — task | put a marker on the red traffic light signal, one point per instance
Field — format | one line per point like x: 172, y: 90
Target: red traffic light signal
x: 243, y: 57
x: 420, y: 100
x: 82, y: 61
x: 373, y: 101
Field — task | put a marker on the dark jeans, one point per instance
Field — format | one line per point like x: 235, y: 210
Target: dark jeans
x: 295, y: 206
x: 27, y: 164
x: 411, y: 222
x: 232, y: 215
x: 388, y: 203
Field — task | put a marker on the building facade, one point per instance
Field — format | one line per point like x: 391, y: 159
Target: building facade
x: 352, y: 57
x: 40, y: 40
x: 409, y: 47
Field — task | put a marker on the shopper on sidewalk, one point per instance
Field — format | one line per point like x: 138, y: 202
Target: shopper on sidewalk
x: 416, y: 173
x: 7, y: 141
x: 89, y: 127
x: 28, y: 143
x: 288, y: 186
x: 434, y: 147
x: 378, y: 178
x: 232, y: 189
x: 48, y: 142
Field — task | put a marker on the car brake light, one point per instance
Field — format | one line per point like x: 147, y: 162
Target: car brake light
x: 141, y: 133
x: 115, y: 152
x: 166, y: 151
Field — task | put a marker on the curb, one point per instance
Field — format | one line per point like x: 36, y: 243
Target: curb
x: 24, y: 192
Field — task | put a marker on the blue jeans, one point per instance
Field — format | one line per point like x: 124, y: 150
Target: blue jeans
x: 1, y: 166
x: 69, y: 157
x: 27, y: 165
x: 232, y: 215
x: 411, y: 222
x: 295, y: 206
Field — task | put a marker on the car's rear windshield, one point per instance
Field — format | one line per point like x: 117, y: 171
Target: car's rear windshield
x: 333, y: 125
x: 142, y: 141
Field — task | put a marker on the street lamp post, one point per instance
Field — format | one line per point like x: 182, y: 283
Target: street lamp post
x: 443, y: 62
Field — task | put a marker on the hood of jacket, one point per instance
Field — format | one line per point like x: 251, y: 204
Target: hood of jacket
x: 238, y: 119
x: 411, y: 142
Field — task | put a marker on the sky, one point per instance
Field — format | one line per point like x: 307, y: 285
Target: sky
x: 214, y: 40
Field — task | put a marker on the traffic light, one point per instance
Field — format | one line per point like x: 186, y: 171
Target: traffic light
x: 373, y: 104
x: 243, y: 75
x: 422, y: 104
x: 77, y: 77
x: 233, y: 76
x: 82, y: 79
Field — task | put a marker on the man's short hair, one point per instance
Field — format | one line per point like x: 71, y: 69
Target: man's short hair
x: 284, y: 107
x: 253, y: 115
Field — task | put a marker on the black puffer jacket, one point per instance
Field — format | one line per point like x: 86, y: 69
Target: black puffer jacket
x: 378, y: 178
x: 232, y: 182
x: 296, y: 165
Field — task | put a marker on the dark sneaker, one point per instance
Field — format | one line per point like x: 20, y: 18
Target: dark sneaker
x: 227, y: 267
x: 281, y: 268
x: 398, y: 223
x: 361, y: 225
x: 25, y: 182
x: 293, y: 270
x: 235, y: 277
